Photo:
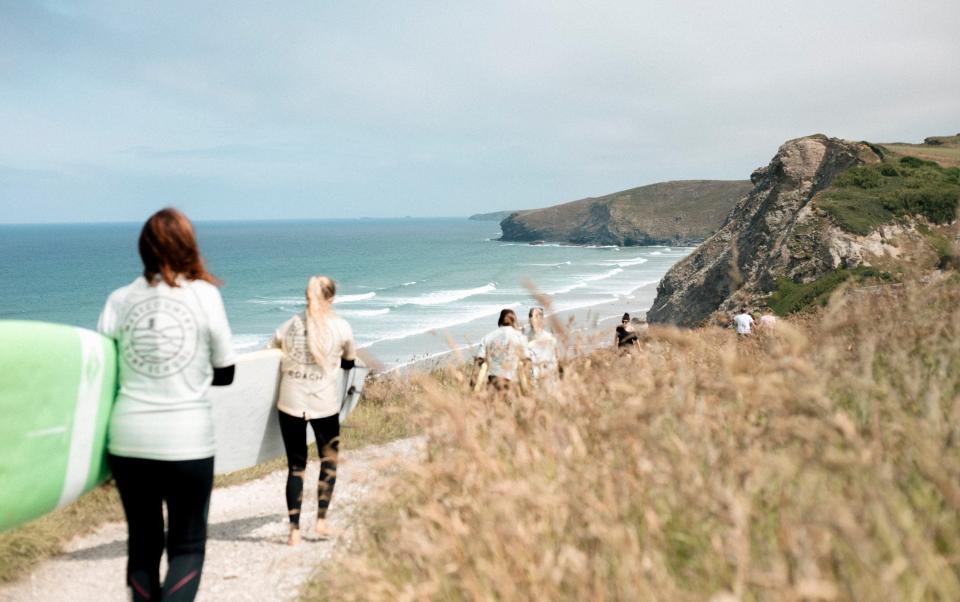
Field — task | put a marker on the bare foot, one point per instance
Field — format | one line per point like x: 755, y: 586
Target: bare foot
x: 294, y: 538
x: 321, y: 529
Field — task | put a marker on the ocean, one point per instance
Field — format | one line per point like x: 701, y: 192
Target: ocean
x: 410, y: 288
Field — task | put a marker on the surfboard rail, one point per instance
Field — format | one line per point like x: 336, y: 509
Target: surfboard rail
x: 57, y: 387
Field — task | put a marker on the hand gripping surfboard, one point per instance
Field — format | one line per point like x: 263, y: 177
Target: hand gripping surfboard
x: 350, y: 385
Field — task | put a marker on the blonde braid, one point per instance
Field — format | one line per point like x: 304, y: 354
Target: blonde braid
x: 320, y: 293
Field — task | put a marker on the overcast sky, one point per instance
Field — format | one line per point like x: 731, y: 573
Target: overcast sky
x: 238, y: 110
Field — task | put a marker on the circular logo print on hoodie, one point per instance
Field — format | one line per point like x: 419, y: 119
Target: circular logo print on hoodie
x: 161, y: 337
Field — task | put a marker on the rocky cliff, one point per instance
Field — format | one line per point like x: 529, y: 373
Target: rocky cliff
x: 669, y: 213
x: 800, y: 223
x: 495, y: 216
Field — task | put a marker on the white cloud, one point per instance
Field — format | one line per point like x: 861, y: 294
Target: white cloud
x: 424, y: 108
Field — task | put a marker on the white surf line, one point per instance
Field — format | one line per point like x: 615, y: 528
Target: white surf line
x: 84, y: 416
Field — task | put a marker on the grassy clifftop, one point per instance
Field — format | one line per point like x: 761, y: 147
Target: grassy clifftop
x: 816, y: 463
x: 683, y: 212
x: 899, y: 185
x: 945, y: 150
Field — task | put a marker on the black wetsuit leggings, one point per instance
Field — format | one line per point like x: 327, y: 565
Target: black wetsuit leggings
x: 294, y: 432
x: 185, y: 486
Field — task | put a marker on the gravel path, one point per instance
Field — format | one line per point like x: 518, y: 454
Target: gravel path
x: 247, y: 555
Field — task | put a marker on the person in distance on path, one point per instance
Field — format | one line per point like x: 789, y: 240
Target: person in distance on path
x: 505, y: 351
x: 543, y: 350
x: 316, y: 344
x: 626, y: 336
x: 743, y: 322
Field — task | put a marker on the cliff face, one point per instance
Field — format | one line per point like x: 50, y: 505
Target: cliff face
x: 774, y: 232
x: 669, y: 213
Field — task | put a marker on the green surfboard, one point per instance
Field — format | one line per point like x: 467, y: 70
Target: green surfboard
x: 57, y: 386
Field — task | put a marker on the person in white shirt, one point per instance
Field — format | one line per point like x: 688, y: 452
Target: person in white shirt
x: 743, y: 321
x: 315, y: 344
x: 174, y: 343
x: 504, y: 350
x: 543, y: 350
x: 768, y: 321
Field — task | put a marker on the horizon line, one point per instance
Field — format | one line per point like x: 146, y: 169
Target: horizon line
x: 247, y: 220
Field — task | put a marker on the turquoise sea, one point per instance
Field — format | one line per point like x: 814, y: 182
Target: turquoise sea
x: 411, y: 288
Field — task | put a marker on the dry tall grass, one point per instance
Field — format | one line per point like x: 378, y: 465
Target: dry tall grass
x: 819, y: 463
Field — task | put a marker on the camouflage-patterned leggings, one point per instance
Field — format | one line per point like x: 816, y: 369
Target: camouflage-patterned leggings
x: 294, y: 432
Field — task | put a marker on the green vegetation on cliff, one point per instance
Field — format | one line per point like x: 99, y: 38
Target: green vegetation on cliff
x: 791, y: 297
x: 868, y: 196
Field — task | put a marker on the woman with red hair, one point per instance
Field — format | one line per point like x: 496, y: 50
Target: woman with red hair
x: 174, y: 343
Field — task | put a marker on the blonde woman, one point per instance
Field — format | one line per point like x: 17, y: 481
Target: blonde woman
x: 315, y: 344
x: 543, y: 350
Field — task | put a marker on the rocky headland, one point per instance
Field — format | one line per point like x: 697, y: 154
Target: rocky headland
x: 494, y: 216
x: 668, y: 213
x: 824, y: 210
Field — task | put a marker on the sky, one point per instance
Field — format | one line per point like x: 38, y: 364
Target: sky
x: 110, y: 110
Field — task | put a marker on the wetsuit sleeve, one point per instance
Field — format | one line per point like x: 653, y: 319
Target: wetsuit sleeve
x: 223, y: 376
x: 220, y: 337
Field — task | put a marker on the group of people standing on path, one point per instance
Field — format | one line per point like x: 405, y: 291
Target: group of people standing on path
x: 744, y: 321
x: 510, y: 350
x: 507, y: 353
x: 174, y: 343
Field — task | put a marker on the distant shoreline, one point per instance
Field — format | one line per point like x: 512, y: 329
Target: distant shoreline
x: 590, y: 330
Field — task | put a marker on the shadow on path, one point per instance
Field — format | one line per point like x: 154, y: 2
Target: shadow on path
x: 234, y: 530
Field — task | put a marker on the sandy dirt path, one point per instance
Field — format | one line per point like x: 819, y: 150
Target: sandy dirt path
x: 247, y: 556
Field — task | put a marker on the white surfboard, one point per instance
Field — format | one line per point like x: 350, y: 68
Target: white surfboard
x: 245, y: 421
x: 351, y: 388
